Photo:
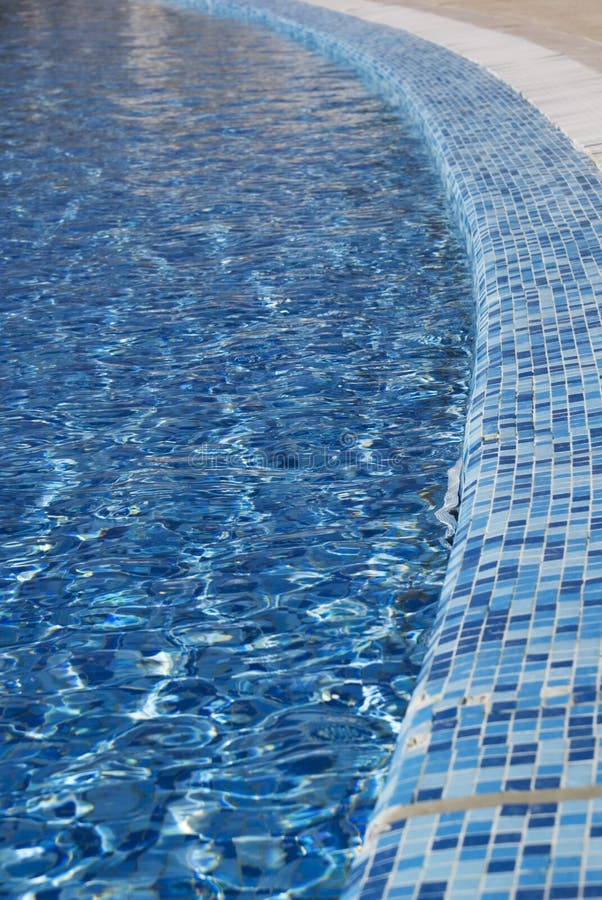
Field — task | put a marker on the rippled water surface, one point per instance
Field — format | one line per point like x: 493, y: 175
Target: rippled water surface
x: 234, y: 331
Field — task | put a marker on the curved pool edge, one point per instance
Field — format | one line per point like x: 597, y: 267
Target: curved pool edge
x: 494, y: 786
x: 566, y: 89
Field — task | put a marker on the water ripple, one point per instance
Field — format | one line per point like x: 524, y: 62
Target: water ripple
x: 235, y: 356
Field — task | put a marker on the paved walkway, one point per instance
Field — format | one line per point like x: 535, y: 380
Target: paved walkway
x: 561, y: 74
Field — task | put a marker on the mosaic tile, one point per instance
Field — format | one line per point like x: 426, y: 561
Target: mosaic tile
x: 494, y: 788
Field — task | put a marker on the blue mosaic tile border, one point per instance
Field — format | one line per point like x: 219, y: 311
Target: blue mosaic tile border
x: 495, y: 789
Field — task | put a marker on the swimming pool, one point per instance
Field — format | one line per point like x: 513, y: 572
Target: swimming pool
x: 236, y: 351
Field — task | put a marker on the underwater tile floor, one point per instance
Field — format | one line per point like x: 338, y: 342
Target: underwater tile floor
x: 495, y: 788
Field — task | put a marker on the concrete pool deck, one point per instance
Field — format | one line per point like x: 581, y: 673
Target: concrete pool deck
x: 495, y: 787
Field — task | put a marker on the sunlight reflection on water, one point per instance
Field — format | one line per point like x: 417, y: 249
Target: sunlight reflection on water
x: 236, y: 350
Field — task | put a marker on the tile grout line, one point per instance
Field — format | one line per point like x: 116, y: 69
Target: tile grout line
x: 392, y: 816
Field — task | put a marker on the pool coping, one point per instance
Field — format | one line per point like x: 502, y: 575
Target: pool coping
x: 494, y: 788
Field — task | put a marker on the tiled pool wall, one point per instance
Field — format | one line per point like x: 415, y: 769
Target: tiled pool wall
x: 495, y: 789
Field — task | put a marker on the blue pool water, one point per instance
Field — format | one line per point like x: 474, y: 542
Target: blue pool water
x: 235, y: 354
